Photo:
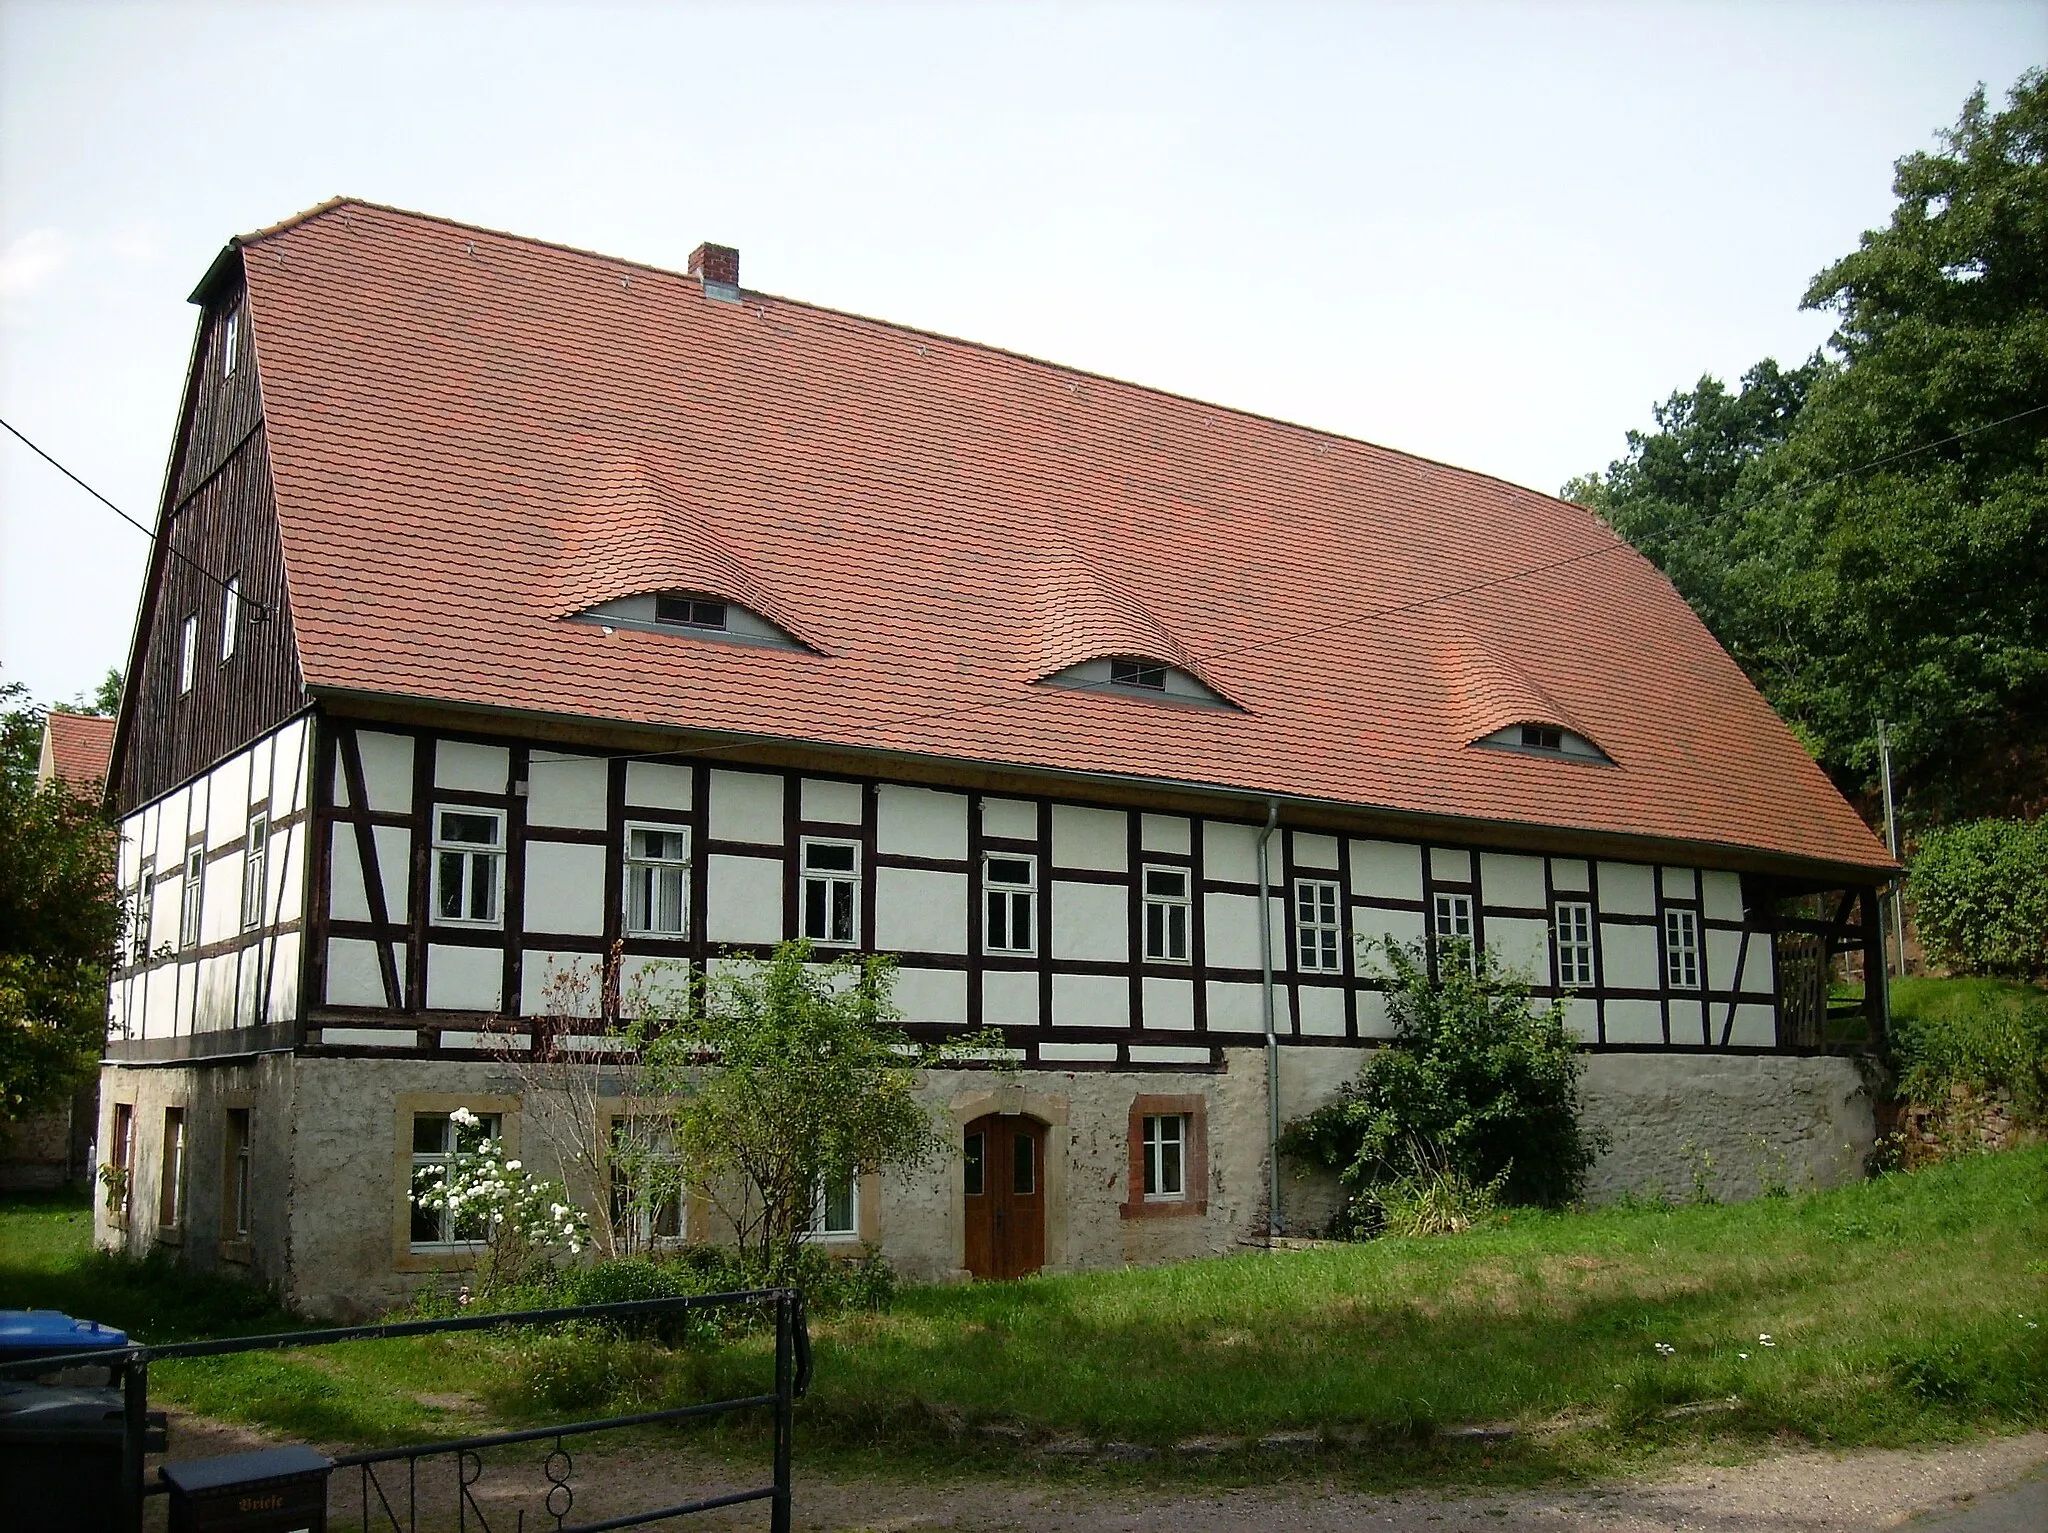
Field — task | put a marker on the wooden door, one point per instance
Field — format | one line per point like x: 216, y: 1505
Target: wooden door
x: 1003, y: 1165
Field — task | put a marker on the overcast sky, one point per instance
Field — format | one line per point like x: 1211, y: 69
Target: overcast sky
x: 1492, y: 234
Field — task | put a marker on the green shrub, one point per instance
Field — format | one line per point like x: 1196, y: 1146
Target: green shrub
x: 1476, y: 1099
x: 1980, y: 897
x: 1976, y: 1033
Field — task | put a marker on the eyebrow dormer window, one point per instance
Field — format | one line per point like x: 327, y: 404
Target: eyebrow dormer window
x: 1545, y: 740
x: 1137, y: 673
x: 689, y: 612
x: 1138, y: 676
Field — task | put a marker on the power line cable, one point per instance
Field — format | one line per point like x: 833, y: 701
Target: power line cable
x: 259, y: 612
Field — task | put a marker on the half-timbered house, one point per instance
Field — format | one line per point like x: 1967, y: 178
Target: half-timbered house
x: 515, y: 605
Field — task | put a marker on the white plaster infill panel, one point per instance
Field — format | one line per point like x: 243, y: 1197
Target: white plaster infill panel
x: 1009, y: 819
x: 281, y: 976
x: 1322, y: 1011
x: 369, y: 1038
x: 1635, y: 1022
x: 1239, y: 1007
x: 1676, y: 882
x: 1386, y: 870
x: 387, y: 771
x: 1628, y: 956
x: 1009, y: 998
x: 1507, y: 879
x: 1521, y: 944
x: 565, y: 888
x: 1722, y: 949
x: 1721, y: 895
x: 1095, y: 839
x: 1756, y: 1027
x: 353, y: 975
x: 746, y: 806
x: 932, y: 995
x: 1168, y: 1003
x: 1688, y: 1024
x: 1628, y: 889
x: 227, y: 801
x: 1450, y: 865
x: 465, y: 978
x: 1167, y: 1054
x: 1091, y: 922
x: 828, y: 801
x: 1582, y: 1018
x: 568, y: 792
x: 1091, y: 1000
x: 1232, y: 924
x: 1315, y: 851
x: 743, y: 898
x: 1375, y: 926
x: 920, y: 822
x: 1570, y: 875
x: 642, y: 978
x: 1168, y: 833
x: 918, y: 910
x: 471, y: 768
x: 1230, y: 852
x: 659, y: 785
x: 559, y: 985
x: 1079, y: 1053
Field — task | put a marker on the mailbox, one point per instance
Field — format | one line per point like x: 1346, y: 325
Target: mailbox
x: 279, y: 1490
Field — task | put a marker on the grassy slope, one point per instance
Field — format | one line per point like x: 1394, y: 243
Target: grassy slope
x: 1943, y: 999
x: 1898, y: 1309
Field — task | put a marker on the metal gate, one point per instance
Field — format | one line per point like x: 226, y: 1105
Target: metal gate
x: 391, y: 1499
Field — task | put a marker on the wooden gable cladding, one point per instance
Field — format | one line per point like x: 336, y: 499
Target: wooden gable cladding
x: 226, y: 528
x: 222, y: 407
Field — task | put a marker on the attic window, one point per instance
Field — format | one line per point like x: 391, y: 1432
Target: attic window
x: 1137, y: 673
x: 1538, y: 739
x: 689, y: 611
x: 230, y: 345
x: 693, y: 614
x: 1137, y: 676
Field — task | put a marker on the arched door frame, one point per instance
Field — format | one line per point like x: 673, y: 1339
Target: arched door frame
x: 1047, y: 1108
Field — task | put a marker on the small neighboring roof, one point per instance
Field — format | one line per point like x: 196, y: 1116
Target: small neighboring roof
x: 471, y: 434
x: 76, y: 750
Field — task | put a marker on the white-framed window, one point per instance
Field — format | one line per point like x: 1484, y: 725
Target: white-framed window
x: 1318, y: 926
x: 231, y: 345
x: 188, y: 898
x: 648, y: 1209
x: 1010, y: 903
x: 255, y: 866
x: 657, y: 880
x: 469, y: 865
x: 1574, y: 943
x: 188, y: 653
x: 831, y: 908
x: 1166, y: 1155
x: 1167, y: 901
x: 141, y: 913
x: 171, y: 1199
x: 1451, y: 921
x: 835, y: 1214
x: 1682, y: 949
x: 439, y: 1140
x: 236, y: 1205
x: 230, y: 617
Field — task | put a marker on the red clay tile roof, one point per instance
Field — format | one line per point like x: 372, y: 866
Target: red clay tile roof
x: 76, y: 749
x: 472, y: 432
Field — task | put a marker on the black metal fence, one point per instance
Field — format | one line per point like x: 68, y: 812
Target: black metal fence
x: 392, y: 1506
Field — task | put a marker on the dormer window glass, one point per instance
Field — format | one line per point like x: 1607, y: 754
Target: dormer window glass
x: 689, y: 612
x: 1541, y: 737
x: 1534, y: 738
x: 1137, y: 673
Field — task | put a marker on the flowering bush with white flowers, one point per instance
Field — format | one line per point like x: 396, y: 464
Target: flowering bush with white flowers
x: 520, y: 1219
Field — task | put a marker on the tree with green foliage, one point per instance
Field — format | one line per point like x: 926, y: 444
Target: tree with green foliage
x: 1868, y: 534
x: 780, y: 1076
x: 1980, y: 897
x: 1478, y: 1090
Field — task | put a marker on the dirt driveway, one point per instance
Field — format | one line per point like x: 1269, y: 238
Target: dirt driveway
x: 1999, y: 1486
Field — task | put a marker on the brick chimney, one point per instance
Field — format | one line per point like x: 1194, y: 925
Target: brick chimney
x: 718, y: 268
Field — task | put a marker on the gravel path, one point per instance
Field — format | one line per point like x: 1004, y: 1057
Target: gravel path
x: 1999, y: 1486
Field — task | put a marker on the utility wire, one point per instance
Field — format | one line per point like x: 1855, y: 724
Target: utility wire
x: 259, y: 612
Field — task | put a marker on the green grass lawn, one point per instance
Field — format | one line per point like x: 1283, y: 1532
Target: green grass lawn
x: 1909, y: 1309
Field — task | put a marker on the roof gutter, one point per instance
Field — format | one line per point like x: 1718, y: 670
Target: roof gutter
x: 1272, y: 1033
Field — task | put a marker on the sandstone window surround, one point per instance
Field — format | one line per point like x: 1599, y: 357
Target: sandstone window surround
x: 1193, y: 1115
x: 502, y: 1111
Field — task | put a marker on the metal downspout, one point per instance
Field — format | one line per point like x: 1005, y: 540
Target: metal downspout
x: 1272, y: 1036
